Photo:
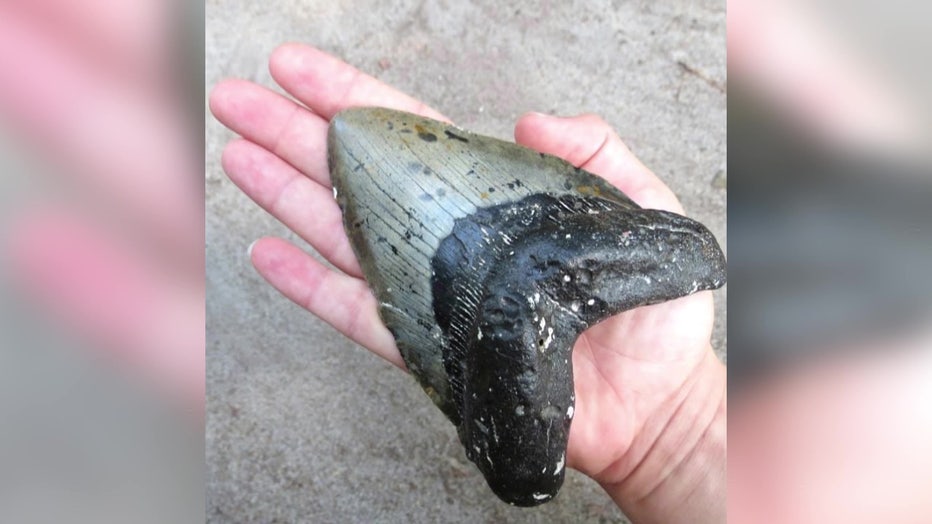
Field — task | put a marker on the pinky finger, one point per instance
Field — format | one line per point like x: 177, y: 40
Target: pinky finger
x: 342, y: 301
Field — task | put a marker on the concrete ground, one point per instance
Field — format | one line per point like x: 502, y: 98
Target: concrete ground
x: 305, y: 426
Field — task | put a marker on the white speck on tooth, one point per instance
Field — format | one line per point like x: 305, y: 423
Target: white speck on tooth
x: 540, y: 496
x: 566, y: 278
x: 569, y: 411
x: 560, y: 464
x: 590, y: 302
x: 480, y: 335
x: 334, y: 192
x: 549, y: 339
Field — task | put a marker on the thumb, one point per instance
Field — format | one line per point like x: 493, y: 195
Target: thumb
x: 588, y: 142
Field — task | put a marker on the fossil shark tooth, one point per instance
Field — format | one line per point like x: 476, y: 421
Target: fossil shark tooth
x: 488, y: 260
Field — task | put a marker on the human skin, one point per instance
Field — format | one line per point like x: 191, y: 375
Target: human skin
x: 650, y: 392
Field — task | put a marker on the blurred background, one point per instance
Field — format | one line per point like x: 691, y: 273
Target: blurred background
x: 300, y: 421
x: 101, y: 257
x: 830, y: 368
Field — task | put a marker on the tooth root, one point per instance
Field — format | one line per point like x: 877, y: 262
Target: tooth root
x: 567, y: 270
x: 488, y: 260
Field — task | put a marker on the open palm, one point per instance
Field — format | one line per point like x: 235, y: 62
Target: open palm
x: 632, y: 372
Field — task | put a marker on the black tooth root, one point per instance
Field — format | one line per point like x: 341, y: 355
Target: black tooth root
x: 514, y: 286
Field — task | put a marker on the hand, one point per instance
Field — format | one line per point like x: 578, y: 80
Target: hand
x: 649, y: 389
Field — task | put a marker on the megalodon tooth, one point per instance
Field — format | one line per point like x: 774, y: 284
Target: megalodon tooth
x: 488, y: 260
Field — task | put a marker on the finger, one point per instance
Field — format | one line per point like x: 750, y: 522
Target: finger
x: 588, y: 142
x: 328, y: 85
x: 276, y: 123
x: 114, y: 297
x: 301, y: 204
x: 341, y: 301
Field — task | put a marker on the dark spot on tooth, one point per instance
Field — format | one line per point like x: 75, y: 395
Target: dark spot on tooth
x: 454, y: 136
x: 424, y: 134
x: 390, y: 125
x: 405, y: 131
x: 441, y: 192
x: 394, y: 249
x: 491, y: 190
x: 425, y: 197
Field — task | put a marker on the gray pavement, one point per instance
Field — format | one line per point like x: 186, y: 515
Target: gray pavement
x: 305, y: 426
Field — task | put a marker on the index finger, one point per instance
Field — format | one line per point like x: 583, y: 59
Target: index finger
x: 327, y: 85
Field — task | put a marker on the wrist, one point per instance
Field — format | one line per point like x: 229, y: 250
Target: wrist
x: 674, y: 470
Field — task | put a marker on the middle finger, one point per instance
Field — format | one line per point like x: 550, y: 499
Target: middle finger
x: 328, y: 85
x: 276, y: 123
